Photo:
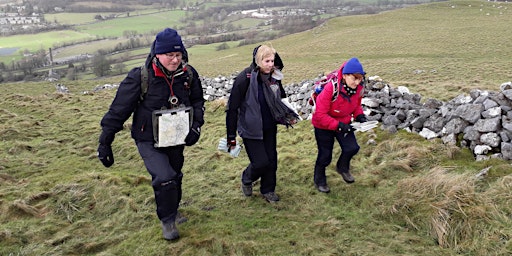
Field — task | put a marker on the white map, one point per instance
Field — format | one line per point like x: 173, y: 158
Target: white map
x: 173, y: 128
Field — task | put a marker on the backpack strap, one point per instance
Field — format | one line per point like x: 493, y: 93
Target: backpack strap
x: 335, y: 88
x: 190, y: 76
x: 245, y: 86
x: 144, y: 81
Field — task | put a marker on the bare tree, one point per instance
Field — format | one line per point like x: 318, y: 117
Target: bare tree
x: 100, y: 64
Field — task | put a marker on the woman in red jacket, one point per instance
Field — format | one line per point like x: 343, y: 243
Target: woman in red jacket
x: 331, y: 119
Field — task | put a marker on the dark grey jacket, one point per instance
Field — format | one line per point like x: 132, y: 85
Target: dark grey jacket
x: 243, y: 112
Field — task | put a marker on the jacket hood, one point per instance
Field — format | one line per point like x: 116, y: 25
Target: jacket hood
x: 278, y: 62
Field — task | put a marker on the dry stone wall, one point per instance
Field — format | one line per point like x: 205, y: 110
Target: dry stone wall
x: 481, y: 121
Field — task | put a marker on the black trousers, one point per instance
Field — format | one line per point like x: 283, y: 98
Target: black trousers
x: 263, y: 161
x: 164, y: 165
x: 325, y: 142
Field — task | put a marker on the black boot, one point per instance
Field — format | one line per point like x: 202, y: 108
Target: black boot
x: 320, y: 179
x: 167, y: 201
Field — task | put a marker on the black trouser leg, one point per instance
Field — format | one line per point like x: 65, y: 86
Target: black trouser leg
x: 349, y: 149
x: 164, y: 165
x: 325, y: 143
x: 167, y: 201
x: 263, y: 157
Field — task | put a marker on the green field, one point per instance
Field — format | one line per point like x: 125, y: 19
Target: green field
x: 42, y: 40
x: 411, y: 196
x: 72, y: 18
x: 142, y: 23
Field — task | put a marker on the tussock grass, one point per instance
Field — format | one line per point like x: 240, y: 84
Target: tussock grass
x: 453, y: 209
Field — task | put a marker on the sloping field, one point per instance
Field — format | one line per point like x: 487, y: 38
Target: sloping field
x: 441, y: 49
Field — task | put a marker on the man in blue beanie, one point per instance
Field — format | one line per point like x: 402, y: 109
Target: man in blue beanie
x: 168, y: 41
x: 173, y: 88
x: 336, y: 107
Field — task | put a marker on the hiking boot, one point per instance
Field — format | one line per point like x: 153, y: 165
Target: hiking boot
x: 347, y: 177
x: 246, y: 189
x: 271, y: 197
x: 323, y: 189
x: 170, y: 231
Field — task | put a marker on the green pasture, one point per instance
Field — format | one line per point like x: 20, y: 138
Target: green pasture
x: 35, y: 42
x: 141, y: 23
x: 90, y: 48
x: 247, y: 22
x: 43, y: 40
x: 72, y: 18
x: 210, y: 4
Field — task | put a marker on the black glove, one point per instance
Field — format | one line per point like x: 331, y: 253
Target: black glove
x: 361, y: 118
x: 106, y: 139
x: 193, y: 136
x: 105, y: 155
x: 344, y: 128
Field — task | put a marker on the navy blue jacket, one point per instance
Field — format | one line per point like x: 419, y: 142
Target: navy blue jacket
x: 127, y: 101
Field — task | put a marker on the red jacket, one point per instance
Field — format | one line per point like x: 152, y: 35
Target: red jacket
x: 329, y: 113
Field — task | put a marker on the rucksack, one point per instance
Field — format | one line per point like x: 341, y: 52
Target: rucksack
x: 318, y: 87
x: 144, y: 80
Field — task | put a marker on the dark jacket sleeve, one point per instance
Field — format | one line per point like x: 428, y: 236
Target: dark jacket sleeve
x: 240, y: 86
x: 123, y: 105
x: 197, y: 99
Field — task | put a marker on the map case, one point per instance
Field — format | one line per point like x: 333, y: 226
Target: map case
x: 171, y: 126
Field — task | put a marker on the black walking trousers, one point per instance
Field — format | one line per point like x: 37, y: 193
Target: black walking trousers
x: 263, y: 157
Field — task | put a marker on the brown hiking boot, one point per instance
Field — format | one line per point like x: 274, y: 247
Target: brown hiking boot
x: 271, y: 197
x: 246, y: 189
x: 347, y: 177
x: 323, y: 189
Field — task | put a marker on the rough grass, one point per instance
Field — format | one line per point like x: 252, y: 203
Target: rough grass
x: 57, y: 199
x: 411, y: 196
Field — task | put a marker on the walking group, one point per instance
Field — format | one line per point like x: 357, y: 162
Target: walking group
x: 165, y: 98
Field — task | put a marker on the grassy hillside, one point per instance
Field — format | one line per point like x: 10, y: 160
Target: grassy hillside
x: 439, y: 50
x: 411, y: 196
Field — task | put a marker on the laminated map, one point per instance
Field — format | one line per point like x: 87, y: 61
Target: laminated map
x: 173, y: 127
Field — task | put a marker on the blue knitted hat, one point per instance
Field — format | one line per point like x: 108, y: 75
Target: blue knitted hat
x: 168, y: 41
x: 353, y: 66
